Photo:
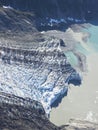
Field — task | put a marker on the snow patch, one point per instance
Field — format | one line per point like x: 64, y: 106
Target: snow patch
x: 56, y: 21
x: 51, y: 21
x: 75, y: 20
x: 7, y: 7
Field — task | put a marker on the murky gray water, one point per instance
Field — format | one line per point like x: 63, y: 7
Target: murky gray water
x: 82, y: 102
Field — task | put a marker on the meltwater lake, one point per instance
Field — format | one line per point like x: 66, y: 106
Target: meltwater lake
x: 81, y: 101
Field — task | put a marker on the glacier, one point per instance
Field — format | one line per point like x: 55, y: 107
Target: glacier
x: 41, y: 73
x: 24, y: 82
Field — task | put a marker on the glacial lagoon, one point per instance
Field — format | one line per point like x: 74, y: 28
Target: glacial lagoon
x: 81, y: 101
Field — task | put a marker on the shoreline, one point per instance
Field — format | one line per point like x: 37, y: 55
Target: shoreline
x: 81, y: 102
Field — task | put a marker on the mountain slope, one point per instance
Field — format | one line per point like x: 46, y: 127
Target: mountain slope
x: 21, y: 114
x: 33, y: 65
x: 56, y: 8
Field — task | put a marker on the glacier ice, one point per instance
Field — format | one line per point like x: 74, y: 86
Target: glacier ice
x: 26, y: 82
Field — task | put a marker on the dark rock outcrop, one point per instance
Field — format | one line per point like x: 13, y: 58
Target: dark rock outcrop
x: 16, y: 21
x: 56, y: 8
x: 21, y: 114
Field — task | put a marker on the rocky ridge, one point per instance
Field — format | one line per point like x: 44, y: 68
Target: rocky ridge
x: 17, y: 113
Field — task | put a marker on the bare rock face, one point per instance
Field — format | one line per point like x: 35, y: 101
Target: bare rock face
x: 21, y: 114
x: 16, y: 21
x: 56, y: 8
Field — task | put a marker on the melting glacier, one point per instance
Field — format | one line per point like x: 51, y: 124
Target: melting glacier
x: 26, y: 82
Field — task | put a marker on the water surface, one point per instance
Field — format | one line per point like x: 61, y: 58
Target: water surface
x: 72, y: 59
x: 82, y: 102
